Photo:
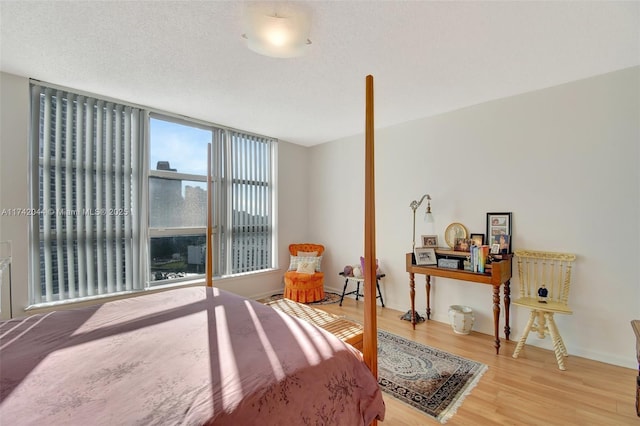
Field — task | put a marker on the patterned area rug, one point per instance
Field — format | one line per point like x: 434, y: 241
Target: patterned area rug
x: 426, y: 378
x: 328, y: 299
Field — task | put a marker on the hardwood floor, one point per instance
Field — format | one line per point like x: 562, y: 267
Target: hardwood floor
x: 530, y: 390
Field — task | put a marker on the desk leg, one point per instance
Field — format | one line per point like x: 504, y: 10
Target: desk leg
x: 428, y: 289
x: 412, y: 296
x: 496, y: 316
x: 507, y: 302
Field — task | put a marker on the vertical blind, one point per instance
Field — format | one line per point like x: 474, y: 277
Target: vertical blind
x: 251, y: 206
x: 87, y: 198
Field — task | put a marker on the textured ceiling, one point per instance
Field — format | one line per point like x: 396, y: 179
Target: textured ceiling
x: 427, y: 58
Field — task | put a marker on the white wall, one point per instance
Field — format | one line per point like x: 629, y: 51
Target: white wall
x: 564, y: 160
x: 14, y: 122
x: 292, y: 169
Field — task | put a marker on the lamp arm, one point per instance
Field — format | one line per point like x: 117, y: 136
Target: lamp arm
x: 414, y: 206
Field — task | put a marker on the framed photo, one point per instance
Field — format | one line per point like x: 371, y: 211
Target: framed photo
x: 426, y: 256
x: 430, y: 241
x: 462, y: 244
x: 478, y: 239
x: 495, y: 248
x: 504, y: 243
x: 453, y: 231
x: 499, y: 224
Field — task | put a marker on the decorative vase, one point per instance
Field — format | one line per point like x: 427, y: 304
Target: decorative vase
x: 542, y: 294
x: 461, y: 318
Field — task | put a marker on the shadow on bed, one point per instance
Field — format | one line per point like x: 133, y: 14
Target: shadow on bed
x: 195, y: 355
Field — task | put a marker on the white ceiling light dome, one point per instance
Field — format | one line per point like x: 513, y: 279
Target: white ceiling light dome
x: 277, y: 31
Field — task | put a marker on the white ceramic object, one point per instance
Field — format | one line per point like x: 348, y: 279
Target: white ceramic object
x: 461, y: 318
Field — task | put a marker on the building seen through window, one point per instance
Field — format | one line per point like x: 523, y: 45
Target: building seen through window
x: 174, y: 203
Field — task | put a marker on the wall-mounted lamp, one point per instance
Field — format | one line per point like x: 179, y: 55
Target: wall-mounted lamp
x: 282, y: 34
x: 428, y: 217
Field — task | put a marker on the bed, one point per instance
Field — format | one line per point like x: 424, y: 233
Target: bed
x: 193, y: 356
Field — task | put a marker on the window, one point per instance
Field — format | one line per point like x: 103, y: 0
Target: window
x: 112, y: 214
x: 177, y: 199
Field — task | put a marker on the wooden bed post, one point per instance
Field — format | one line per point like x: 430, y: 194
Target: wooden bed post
x: 370, y: 338
x: 209, y: 259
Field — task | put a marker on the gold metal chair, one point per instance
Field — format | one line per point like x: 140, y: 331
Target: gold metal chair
x: 545, y: 281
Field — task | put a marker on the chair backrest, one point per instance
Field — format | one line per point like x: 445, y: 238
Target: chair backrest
x: 305, y: 247
x: 552, y: 271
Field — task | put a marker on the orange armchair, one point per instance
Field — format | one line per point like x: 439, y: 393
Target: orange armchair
x: 300, y: 286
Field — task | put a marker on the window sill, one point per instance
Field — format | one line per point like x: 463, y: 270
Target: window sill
x: 94, y: 300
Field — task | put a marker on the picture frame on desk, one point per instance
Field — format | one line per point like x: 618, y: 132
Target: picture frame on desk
x: 499, y: 224
x: 504, y: 243
x: 478, y: 239
x: 425, y: 256
x: 453, y: 231
x: 430, y: 241
x: 462, y: 244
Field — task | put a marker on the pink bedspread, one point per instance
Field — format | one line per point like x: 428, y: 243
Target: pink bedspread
x: 190, y: 356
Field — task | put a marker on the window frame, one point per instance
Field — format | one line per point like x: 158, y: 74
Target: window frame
x: 170, y: 231
x: 221, y: 208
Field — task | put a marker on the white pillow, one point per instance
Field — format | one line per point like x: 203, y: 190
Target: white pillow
x: 306, y: 268
x: 295, y: 261
x: 308, y: 253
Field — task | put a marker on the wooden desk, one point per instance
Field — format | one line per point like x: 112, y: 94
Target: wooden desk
x: 500, y: 274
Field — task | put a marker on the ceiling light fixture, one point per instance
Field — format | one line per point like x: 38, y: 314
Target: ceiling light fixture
x: 282, y: 34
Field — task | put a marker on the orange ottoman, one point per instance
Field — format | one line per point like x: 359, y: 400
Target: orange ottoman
x: 304, y: 288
